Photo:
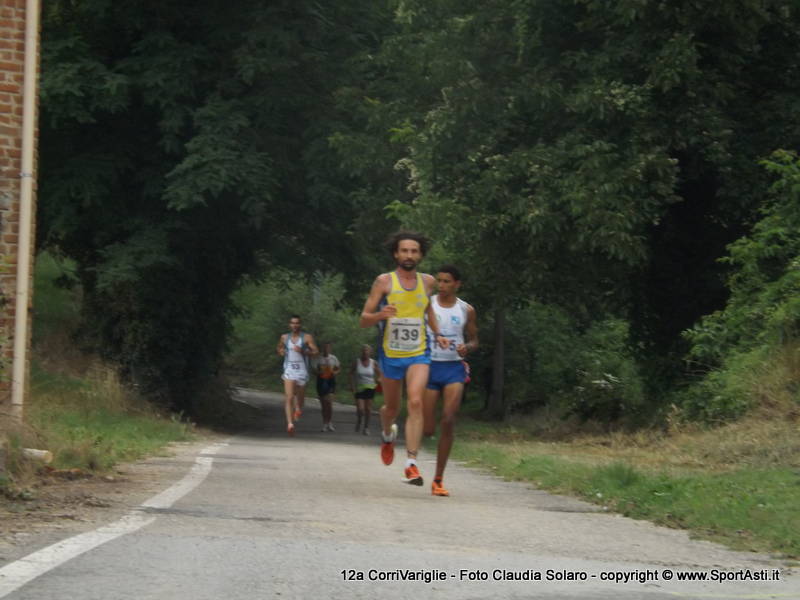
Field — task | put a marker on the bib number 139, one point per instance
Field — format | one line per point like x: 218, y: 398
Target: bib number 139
x: 404, y: 334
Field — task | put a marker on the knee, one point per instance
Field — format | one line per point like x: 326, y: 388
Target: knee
x: 448, y: 421
x: 414, y: 405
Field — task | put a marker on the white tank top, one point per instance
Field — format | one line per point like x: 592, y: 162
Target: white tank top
x: 365, y: 376
x: 452, y: 321
x: 293, y: 360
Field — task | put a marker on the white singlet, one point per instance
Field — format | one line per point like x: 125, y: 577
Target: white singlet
x: 452, y: 321
x: 365, y: 376
x: 294, y: 362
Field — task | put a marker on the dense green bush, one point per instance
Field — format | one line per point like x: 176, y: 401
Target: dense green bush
x: 763, y: 313
x: 590, y: 373
x: 609, y: 383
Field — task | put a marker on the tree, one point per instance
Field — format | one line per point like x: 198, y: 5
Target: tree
x: 182, y: 148
x: 545, y: 142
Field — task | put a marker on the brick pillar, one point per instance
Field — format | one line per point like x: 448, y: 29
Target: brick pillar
x: 12, y: 61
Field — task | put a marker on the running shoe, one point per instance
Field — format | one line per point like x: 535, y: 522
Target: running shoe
x: 290, y: 429
x: 366, y: 431
x: 324, y: 427
x: 297, y: 414
x: 387, y: 448
x: 331, y: 427
x: 437, y: 489
x: 412, y: 475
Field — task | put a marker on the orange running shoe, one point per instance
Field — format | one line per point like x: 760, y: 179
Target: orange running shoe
x: 290, y: 429
x: 437, y: 489
x: 387, y: 448
x: 412, y: 475
x: 297, y: 414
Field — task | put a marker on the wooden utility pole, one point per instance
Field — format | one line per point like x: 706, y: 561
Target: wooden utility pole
x: 19, y: 71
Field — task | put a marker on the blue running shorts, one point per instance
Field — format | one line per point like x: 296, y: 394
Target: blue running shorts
x: 395, y: 368
x: 443, y: 373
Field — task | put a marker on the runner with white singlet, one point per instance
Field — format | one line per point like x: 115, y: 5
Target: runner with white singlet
x: 296, y: 347
x: 364, y: 376
x: 448, y: 372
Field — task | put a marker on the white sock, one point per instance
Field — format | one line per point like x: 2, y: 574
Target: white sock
x: 410, y: 461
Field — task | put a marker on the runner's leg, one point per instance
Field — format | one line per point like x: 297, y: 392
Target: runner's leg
x: 288, y: 398
x: 452, y: 401
x: 430, y: 399
x: 416, y: 380
x: 327, y: 408
x: 300, y: 392
x: 391, y: 403
x: 367, y: 410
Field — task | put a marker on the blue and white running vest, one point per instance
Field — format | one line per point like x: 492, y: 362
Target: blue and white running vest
x: 452, y: 321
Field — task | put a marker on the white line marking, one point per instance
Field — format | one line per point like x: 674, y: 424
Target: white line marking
x: 16, y: 574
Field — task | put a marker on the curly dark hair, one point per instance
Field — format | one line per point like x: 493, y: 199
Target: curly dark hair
x: 394, y: 240
x: 450, y: 269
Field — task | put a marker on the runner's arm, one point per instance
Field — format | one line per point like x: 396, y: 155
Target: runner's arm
x: 282, y: 345
x: 471, y: 329
x: 369, y: 316
x: 312, y: 347
x: 430, y: 282
x: 377, y: 368
x: 432, y: 322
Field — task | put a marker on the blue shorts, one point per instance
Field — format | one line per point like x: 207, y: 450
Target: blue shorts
x: 443, y: 373
x: 395, y: 368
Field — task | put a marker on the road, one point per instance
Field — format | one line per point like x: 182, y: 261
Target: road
x: 261, y: 515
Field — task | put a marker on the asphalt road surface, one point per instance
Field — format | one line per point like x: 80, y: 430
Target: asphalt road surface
x: 318, y: 516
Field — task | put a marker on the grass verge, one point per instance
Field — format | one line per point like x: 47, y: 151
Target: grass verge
x: 89, y: 423
x: 738, y: 485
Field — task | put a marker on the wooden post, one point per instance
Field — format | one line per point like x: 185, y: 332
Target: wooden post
x: 13, y: 21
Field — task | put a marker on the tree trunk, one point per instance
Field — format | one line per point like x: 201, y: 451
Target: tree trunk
x: 497, y: 405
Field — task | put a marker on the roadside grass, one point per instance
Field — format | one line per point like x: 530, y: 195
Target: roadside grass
x: 76, y: 407
x: 738, y: 485
x: 90, y: 423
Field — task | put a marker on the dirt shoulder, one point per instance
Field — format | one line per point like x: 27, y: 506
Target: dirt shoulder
x: 60, y: 503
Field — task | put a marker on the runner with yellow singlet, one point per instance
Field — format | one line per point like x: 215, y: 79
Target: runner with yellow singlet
x: 398, y: 304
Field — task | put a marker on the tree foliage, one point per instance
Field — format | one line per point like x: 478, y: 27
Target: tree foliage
x: 589, y: 159
x: 183, y: 147
x: 761, y: 320
x: 594, y: 155
x: 320, y: 302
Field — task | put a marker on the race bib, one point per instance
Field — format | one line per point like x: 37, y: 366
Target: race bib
x: 296, y: 366
x: 449, y: 353
x: 404, y: 334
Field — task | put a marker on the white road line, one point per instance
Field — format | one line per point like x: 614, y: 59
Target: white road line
x: 16, y: 574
